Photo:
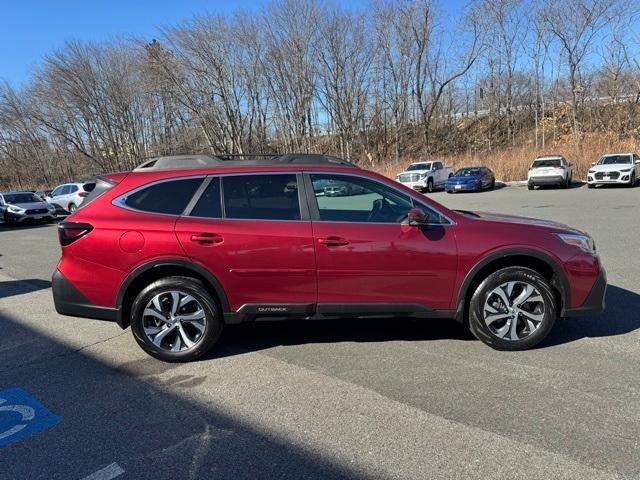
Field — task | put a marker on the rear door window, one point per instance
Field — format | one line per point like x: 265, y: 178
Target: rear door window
x: 261, y: 197
x: 167, y: 197
x: 209, y: 204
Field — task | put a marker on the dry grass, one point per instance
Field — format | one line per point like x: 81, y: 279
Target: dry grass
x: 512, y: 164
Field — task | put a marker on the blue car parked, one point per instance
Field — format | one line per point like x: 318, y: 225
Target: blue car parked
x: 471, y: 179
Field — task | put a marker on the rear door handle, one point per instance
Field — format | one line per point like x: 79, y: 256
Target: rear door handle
x: 207, y: 238
x: 333, y: 241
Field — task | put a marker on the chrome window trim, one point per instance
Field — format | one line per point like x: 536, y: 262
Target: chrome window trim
x: 393, y: 187
x: 120, y: 200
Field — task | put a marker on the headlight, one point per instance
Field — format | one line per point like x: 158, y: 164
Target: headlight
x: 583, y: 242
x: 625, y: 170
x: 422, y: 175
x: 14, y: 209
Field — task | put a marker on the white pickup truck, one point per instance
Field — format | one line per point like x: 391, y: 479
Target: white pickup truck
x: 425, y: 176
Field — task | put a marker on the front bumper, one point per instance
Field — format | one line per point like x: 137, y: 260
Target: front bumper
x: 595, y: 301
x: 417, y: 185
x: 27, y: 218
x: 547, y: 180
x: 624, y: 178
x: 69, y: 301
x: 462, y: 187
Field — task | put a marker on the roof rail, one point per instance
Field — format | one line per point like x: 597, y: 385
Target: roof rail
x: 239, y: 160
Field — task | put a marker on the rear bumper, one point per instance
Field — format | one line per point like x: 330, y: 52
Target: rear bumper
x: 595, y: 301
x: 69, y: 301
x: 550, y: 180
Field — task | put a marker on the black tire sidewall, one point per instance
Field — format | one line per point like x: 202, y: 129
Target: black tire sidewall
x: 213, y: 328
x: 430, y: 186
x: 482, y: 332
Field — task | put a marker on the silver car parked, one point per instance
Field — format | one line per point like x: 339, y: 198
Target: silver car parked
x: 23, y: 207
x: 68, y: 196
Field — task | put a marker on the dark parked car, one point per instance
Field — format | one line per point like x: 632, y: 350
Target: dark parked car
x: 471, y: 179
x: 178, y: 252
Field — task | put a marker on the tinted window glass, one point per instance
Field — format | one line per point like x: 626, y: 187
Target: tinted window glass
x: 550, y: 162
x: 209, y: 205
x: 21, y: 198
x: 261, y: 197
x: 419, y: 166
x: 72, y: 188
x: 169, y: 197
x: 615, y: 159
x: 56, y: 191
x: 97, y: 189
x: 353, y: 199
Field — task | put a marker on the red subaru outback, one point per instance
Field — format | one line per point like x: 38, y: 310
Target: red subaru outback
x: 183, y: 245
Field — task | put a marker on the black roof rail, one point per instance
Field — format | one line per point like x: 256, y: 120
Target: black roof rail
x: 170, y: 162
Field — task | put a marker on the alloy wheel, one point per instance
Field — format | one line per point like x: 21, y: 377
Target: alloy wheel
x: 174, y: 321
x: 513, y: 310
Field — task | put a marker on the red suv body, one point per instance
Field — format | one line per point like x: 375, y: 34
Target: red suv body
x: 178, y: 252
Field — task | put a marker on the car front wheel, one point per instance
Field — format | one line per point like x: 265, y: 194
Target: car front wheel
x: 175, y: 319
x: 512, y: 309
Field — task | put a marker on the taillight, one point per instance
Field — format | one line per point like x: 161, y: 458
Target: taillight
x: 83, y: 194
x: 69, y: 232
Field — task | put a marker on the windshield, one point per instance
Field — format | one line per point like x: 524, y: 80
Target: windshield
x: 467, y: 172
x: 419, y: 166
x: 11, y: 198
x: 615, y: 160
x: 548, y: 162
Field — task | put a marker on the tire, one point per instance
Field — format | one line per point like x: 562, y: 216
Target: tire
x: 565, y: 184
x: 203, y: 331
x: 492, y: 185
x: 632, y: 182
x: 430, y: 185
x: 531, y: 327
x: 591, y: 185
x: 530, y: 186
x: 72, y: 208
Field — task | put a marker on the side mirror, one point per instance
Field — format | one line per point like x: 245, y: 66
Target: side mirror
x: 417, y: 217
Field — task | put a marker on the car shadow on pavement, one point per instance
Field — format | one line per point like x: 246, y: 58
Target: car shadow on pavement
x: 619, y: 317
x: 128, y: 412
x: 262, y: 335
x: 10, y: 288
x: 26, y: 226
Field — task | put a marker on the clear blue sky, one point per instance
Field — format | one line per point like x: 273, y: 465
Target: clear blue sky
x: 30, y: 29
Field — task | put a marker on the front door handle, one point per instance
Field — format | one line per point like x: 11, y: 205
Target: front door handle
x: 333, y: 241
x: 207, y: 238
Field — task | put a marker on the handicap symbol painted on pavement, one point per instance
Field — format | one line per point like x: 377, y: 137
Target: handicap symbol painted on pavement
x: 22, y: 415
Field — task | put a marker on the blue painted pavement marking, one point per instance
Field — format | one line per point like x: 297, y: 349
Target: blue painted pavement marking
x: 22, y: 415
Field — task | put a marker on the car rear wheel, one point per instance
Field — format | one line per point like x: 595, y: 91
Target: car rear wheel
x: 175, y: 319
x: 530, y: 186
x: 512, y: 309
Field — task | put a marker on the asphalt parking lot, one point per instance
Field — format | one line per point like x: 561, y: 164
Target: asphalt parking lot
x: 341, y: 399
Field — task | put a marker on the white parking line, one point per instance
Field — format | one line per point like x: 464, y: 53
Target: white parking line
x: 107, y: 473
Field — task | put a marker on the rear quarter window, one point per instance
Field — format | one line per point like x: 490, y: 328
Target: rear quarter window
x: 169, y: 197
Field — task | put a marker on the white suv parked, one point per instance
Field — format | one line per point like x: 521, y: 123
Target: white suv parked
x: 68, y: 196
x: 427, y: 176
x: 615, y: 168
x: 550, y: 170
